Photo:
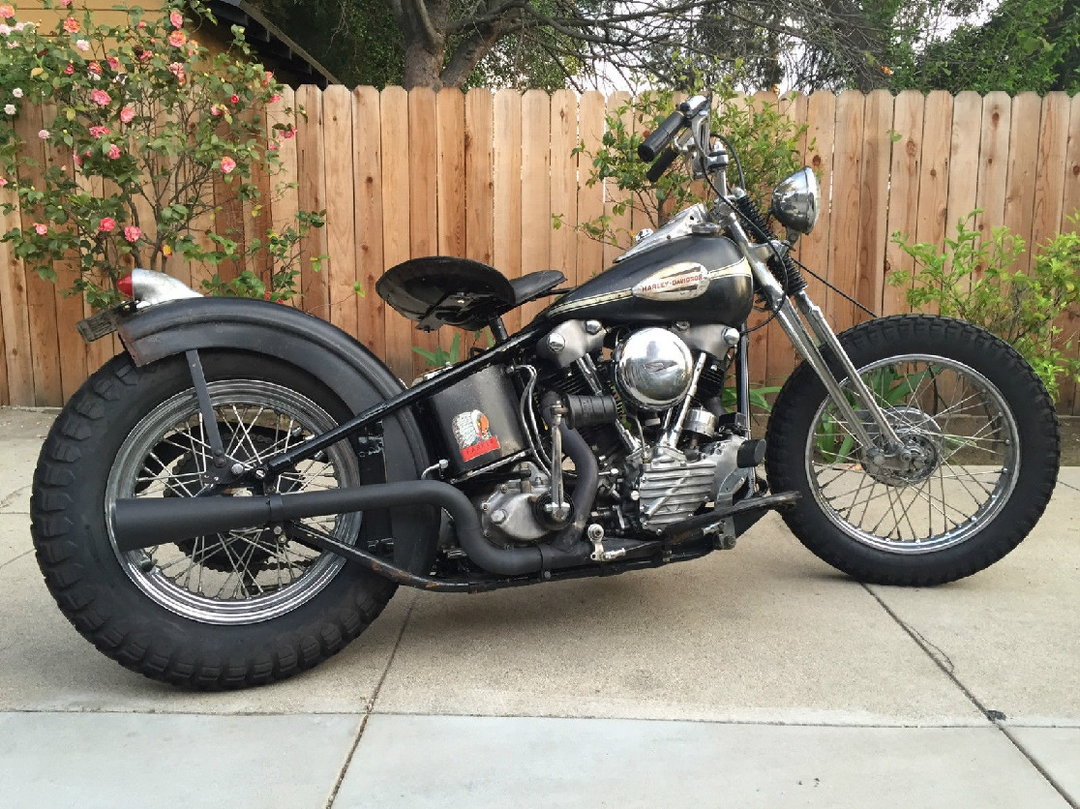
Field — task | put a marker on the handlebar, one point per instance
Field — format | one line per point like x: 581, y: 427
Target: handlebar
x: 662, y: 164
x: 661, y: 137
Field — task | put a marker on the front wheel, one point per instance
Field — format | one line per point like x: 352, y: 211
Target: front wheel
x: 977, y: 467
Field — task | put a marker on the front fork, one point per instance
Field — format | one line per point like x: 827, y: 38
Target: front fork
x: 810, y: 351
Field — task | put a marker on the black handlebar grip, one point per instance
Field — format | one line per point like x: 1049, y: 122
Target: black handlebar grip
x: 661, y: 136
x: 662, y: 164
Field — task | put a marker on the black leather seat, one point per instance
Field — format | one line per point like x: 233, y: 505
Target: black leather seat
x: 443, y: 290
x: 535, y: 284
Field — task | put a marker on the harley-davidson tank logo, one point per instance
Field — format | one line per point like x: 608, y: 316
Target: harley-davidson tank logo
x: 472, y: 431
x: 676, y: 282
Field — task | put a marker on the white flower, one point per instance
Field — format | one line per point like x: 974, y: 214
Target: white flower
x: 5, y: 29
x: 9, y: 109
x: 82, y: 44
x: 17, y: 92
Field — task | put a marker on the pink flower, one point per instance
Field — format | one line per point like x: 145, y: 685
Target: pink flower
x: 107, y: 225
x: 114, y: 152
x: 113, y: 62
x: 132, y: 233
x: 141, y: 25
x: 43, y: 134
x: 276, y: 97
x: 7, y: 11
x: 288, y: 133
x: 267, y: 78
x: 145, y: 55
x: 234, y: 99
x: 176, y: 18
x: 71, y: 25
x: 215, y: 110
x: 227, y: 165
x: 65, y: 3
x: 177, y: 69
x: 69, y: 69
x: 3, y: 182
x: 273, y: 146
x: 126, y: 115
x: 41, y: 229
x: 82, y: 44
x: 177, y: 38
x: 95, y: 68
x: 99, y: 131
x: 100, y: 97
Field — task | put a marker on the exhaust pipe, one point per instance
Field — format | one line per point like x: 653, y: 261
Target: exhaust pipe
x: 145, y: 522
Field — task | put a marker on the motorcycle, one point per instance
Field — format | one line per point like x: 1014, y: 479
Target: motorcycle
x: 238, y: 495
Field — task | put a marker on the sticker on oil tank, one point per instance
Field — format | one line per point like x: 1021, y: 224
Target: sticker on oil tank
x: 675, y: 282
x: 472, y: 431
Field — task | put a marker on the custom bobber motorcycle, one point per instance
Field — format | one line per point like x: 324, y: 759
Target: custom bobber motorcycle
x: 240, y: 493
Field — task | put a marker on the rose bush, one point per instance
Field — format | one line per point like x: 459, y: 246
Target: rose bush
x: 139, y: 123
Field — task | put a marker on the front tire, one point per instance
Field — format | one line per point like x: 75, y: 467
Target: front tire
x: 981, y: 433
x: 217, y: 612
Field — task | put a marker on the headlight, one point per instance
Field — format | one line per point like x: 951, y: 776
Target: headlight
x: 795, y: 201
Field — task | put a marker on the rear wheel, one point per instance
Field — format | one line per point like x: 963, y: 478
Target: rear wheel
x: 218, y: 611
x: 978, y: 463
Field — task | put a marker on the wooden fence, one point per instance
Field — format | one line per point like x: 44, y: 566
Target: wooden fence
x: 403, y: 174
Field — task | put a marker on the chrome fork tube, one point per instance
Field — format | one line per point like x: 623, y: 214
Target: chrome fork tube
x: 805, y: 346
x: 825, y: 334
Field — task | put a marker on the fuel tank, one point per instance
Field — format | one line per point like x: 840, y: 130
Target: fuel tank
x: 697, y: 278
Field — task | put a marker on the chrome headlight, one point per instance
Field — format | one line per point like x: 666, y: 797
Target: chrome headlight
x: 795, y: 201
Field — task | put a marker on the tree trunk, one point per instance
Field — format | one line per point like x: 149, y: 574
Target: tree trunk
x: 422, y: 67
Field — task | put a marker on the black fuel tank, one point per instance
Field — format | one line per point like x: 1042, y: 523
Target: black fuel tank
x: 699, y: 279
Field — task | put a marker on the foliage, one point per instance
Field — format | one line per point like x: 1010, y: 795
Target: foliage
x: 139, y: 124
x: 767, y: 140
x: 441, y: 357
x: 982, y: 279
x: 1025, y: 45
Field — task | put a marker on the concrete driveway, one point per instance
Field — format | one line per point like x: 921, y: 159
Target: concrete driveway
x: 752, y: 678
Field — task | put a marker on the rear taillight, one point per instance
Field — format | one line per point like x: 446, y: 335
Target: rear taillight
x: 125, y: 286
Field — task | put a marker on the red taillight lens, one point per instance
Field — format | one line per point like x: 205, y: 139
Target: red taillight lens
x: 124, y: 285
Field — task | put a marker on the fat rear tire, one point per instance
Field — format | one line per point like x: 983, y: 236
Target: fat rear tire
x: 798, y: 410
x: 97, y: 594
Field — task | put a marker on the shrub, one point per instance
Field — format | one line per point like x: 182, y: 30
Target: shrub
x: 139, y: 123
x: 979, y: 279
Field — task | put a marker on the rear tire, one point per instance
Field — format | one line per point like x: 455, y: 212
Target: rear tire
x: 985, y: 439
x: 278, y: 610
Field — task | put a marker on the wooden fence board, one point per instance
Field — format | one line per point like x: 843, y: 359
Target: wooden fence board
x: 479, y: 176
x: 1069, y: 395
x: 934, y: 179
x: 311, y: 196
x: 394, y: 121
x: 1023, y: 154
x: 18, y: 356
x: 40, y: 295
x: 507, y: 188
x: 340, y: 267
x: 450, y: 199
x: 590, y: 198
x: 964, y: 160
x: 620, y: 222
x: 284, y: 197
x: 535, y: 188
x: 368, y: 217
x: 993, y: 161
x: 873, y: 202
x: 423, y: 211
x: 815, y: 250
x: 1050, y: 168
x: 846, y: 201
x: 905, y: 171
x: 564, y: 182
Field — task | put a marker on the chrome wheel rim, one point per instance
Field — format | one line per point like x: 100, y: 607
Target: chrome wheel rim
x: 245, y: 576
x: 957, y: 424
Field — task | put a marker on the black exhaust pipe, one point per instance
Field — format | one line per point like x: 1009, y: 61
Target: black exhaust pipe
x: 145, y: 522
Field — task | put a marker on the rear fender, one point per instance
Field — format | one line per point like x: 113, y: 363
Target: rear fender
x: 352, y: 372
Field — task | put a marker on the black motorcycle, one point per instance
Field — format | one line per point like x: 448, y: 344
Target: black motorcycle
x: 238, y: 495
